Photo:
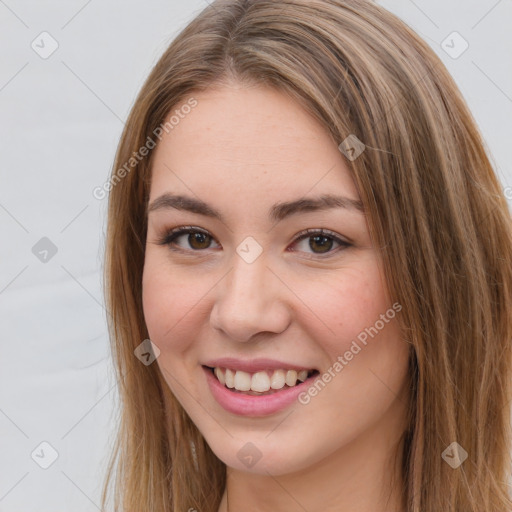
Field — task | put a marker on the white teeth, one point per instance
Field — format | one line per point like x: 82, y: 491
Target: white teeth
x: 220, y: 375
x: 291, y: 377
x: 302, y: 375
x: 242, y: 381
x: 230, y: 378
x: 260, y: 381
x: 277, y: 380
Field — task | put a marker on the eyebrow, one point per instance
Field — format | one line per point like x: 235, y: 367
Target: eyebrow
x: 277, y: 212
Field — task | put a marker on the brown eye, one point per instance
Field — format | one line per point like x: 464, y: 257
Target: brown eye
x: 322, y: 243
x: 199, y: 240
x: 186, y: 239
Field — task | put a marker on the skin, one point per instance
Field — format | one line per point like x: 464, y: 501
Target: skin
x: 242, y: 149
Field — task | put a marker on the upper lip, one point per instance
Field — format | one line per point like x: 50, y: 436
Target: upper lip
x: 254, y: 365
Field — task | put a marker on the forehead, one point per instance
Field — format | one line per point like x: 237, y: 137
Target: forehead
x: 248, y: 139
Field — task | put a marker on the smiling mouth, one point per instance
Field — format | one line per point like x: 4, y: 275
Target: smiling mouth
x: 265, y: 382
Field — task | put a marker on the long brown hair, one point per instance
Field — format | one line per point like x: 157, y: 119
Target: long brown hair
x: 435, y: 209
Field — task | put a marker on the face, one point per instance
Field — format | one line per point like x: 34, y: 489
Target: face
x: 250, y: 265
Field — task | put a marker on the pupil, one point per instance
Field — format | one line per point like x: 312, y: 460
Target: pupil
x: 323, y: 246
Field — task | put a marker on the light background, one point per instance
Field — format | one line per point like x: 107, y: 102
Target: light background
x: 61, y: 119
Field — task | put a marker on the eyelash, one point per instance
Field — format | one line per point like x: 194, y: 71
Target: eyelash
x: 170, y: 236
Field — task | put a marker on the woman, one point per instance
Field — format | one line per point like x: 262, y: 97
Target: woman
x: 311, y: 234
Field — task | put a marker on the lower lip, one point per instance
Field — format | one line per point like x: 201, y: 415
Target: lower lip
x: 254, y: 405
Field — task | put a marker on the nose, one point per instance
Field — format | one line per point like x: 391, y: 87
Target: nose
x: 251, y: 300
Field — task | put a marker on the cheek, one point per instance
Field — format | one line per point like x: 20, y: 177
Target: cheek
x: 157, y: 303
x: 171, y: 302
x: 173, y: 312
x: 355, y: 325
x: 344, y: 305
x: 354, y: 319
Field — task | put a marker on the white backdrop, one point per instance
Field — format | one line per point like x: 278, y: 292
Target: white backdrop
x: 69, y: 75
